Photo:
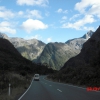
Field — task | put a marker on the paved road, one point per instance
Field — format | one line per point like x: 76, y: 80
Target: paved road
x: 47, y: 90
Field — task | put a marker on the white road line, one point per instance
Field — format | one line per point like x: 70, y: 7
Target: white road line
x: 67, y: 84
x: 59, y: 90
x: 26, y: 91
x: 64, y: 84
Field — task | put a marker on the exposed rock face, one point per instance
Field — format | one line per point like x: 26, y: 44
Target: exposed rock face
x: 56, y: 54
x: 77, y: 43
x: 89, y: 53
x: 52, y: 54
x: 4, y: 36
x: 15, y: 68
x: 30, y: 49
x: 83, y: 69
x: 88, y: 35
x: 9, y: 56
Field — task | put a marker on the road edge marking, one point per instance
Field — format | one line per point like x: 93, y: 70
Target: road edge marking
x: 26, y: 91
x: 67, y: 84
x: 59, y: 90
x: 63, y: 83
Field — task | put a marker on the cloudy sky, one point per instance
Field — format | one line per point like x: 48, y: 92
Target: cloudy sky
x: 49, y: 20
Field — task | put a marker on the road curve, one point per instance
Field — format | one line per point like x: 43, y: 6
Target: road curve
x: 48, y: 90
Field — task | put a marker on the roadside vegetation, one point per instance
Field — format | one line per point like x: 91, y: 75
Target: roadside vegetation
x: 17, y: 71
x: 85, y: 77
x: 83, y: 69
x: 20, y: 79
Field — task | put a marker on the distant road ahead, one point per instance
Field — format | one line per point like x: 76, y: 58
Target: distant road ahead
x: 47, y: 90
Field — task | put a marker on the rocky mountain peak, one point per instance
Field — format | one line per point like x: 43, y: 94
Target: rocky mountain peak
x: 88, y: 34
x: 96, y: 36
x: 4, y: 36
x: 83, y: 69
x: 77, y: 43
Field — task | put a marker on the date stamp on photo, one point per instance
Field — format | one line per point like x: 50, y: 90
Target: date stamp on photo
x: 93, y: 88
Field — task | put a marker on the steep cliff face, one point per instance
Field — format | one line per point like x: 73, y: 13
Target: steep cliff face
x: 56, y: 54
x: 9, y: 56
x: 83, y: 69
x: 77, y: 43
x: 52, y: 54
x: 15, y: 69
x: 4, y: 36
x: 89, y: 53
x: 30, y: 49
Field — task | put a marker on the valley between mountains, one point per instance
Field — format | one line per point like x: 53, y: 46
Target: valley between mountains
x: 77, y: 62
x: 53, y: 54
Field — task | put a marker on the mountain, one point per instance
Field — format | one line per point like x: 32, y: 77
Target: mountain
x: 13, y: 68
x: 56, y: 54
x: 12, y: 61
x: 77, y: 43
x: 16, y: 70
x: 88, y: 34
x: 53, y: 54
x: 29, y: 49
x: 10, y: 58
x: 83, y: 69
x: 88, y: 53
x: 2, y: 35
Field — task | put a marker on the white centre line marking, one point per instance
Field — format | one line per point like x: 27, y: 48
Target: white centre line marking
x: 59, y: 90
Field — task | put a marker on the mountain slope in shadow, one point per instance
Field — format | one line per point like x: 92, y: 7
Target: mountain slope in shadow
x: 83, y: 69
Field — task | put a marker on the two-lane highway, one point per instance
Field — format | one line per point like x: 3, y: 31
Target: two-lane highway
x: 48, y: 90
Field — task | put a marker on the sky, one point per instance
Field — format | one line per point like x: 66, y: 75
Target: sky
x: 49, y: 20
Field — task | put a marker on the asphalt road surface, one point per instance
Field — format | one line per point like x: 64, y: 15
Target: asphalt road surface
x: 48, y: 90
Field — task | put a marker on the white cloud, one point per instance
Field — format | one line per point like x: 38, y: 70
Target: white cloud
x: 2, y: 8
x: 75, y: 16
x: 49, y: 39
x: 33, y: 2
x: 5, y: 13
x: 53, y: 25
x: 20, y: 13
x: 30, y: 25
x: 89, y: 28
x: 36, y: 14
x: 65, y: 11
x: 33, y: 14
x: 88, y: 19
x: 59, y: 10
x: 7, y: 27
x: 62, y: 11
x: 89, y: 7
x: 64, y: 18
x: 5, y: 23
